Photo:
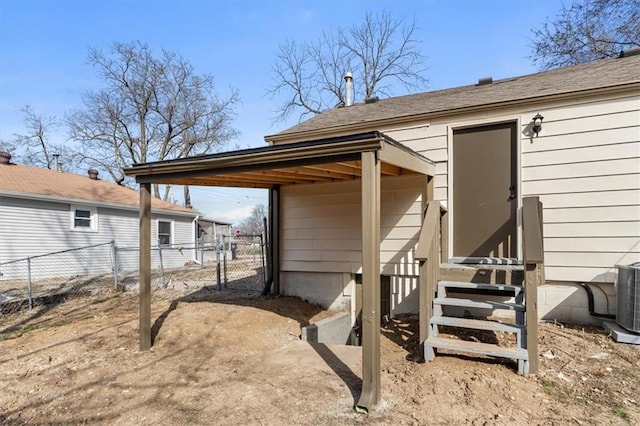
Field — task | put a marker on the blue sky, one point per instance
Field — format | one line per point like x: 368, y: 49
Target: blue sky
x: 43, y: 51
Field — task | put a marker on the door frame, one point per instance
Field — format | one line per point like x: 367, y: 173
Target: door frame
x: 450, y: 166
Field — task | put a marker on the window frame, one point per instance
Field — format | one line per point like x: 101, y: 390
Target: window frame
x: 171, y: 232
x: 92, y: 219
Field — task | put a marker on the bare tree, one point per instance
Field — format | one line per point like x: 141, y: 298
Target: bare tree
x: 586, y: 31
x: 151, y: 108
x: 7, y: 147
x: 254, y: 224
x: 35, y: 146
x: 378, y: 52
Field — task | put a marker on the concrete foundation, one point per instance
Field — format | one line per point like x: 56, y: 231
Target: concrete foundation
x: 568, y: 302
x: 334, y: 330
x: 561, y: 301
x: 330, y: 290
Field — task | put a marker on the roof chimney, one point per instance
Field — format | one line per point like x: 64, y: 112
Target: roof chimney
x: 5, y: 157
x: 93, y: 174
x: 348, y: 83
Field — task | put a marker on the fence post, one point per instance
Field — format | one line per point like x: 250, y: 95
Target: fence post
x: 29, y: 282
x: 264, y: 269
x: 253, y: 252
x: 202, y: 255
x: 224, y: 263
x: 164, y: 282
x: 114, y: 263
x: 218, y: 279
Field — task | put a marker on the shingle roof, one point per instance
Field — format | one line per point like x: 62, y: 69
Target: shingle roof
x: 18, y: 178
x: 588, y: 76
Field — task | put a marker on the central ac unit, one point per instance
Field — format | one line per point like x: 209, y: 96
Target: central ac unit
x: 628, y: 294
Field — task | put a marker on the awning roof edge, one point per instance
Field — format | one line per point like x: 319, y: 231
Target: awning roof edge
x: 274, y: 163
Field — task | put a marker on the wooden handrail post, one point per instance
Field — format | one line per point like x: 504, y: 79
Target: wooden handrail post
x: 533, y: 250
x: 444, y: 236
x: 428, y: 254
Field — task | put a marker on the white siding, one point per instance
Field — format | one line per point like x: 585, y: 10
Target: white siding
x: 30, y: 228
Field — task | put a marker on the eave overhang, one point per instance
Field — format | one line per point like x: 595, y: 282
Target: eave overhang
x: 322, y: 160
x: 425, y: 117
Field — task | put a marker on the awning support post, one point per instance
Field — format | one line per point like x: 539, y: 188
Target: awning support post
x: 145, y: 266
x: 370, y: 395
x: 274, y: 236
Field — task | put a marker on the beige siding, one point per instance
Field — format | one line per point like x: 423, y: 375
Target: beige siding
x: 585, y: 166
x: 321, y: 226
x: 430, y: 141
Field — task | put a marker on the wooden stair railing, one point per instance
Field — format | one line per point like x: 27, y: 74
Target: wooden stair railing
x: 433, y: 236
x: 533, y: 251
x: 431, y: 250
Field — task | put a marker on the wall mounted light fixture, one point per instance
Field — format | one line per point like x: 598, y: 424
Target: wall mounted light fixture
x: 537, y: 124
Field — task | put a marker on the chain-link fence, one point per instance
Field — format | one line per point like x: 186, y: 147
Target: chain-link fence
x: 54, y: 277
x: 234, y: 262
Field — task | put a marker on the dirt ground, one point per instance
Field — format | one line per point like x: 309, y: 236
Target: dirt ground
x: 234, y: 357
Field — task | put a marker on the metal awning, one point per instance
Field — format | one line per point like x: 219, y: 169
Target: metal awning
x: 322, y: 160
x: 366, y: 157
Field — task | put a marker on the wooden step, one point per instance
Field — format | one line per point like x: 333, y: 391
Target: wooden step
x: 515, y: 289
x: 473, y: 260
x: 476, y: 348
x: 466, y: 303
x: 477, y: 324
x: 497, y: 274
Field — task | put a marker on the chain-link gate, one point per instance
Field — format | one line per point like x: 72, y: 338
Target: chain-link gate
x: 242, y: 262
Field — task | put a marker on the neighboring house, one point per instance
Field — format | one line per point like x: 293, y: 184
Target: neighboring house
x: 211, y: 238
x: 584, y: 164
x: 211, y: 230
x: 44, y: 211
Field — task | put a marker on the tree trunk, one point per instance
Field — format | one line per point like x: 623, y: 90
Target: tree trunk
x: 156, y: 190
x: 187, y: 197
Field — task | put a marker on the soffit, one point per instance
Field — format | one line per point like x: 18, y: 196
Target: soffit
x: 318, y: 161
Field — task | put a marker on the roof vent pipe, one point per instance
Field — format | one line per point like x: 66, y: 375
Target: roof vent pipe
x: 629, y: 52
x: 5, y: 157
x: 93, y: 174
x: 56, y: 158
x: 348, y: 83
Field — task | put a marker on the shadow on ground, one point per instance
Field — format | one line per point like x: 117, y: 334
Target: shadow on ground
x: 238, y: 295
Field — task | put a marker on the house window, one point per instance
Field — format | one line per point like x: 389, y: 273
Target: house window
x: 164, y: 233
x: 84, y: 219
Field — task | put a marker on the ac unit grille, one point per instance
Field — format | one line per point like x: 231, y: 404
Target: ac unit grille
x: 628, y: 295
